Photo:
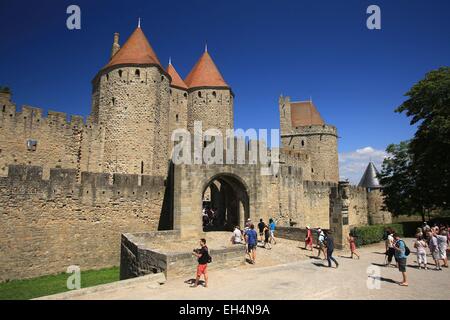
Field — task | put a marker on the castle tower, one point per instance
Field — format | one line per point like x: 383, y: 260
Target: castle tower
x: 210, y: 99
x: 178, y: 102
x: 375, y: 199
x: 130, y: 107
x: 303, y: 129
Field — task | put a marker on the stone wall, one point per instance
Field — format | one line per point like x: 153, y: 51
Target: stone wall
x: 48, y: 225
x: 58, y: 140
x: 214, y: 107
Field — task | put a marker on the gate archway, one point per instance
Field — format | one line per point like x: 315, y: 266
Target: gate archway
x: 225, y: 203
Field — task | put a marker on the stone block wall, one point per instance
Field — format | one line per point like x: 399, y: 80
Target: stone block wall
x: 48, y: 225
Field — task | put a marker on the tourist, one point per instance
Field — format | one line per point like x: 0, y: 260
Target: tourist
x: 400, y: 255
x: 329, y: 243
x: 252, y: 241
x: 272, y: 230
x: 442, y: 246
x: 390, y: 247
x: 267, y: 244
x: 309, y: 238
x: 248, y: 223
x: 351, y: 241
x: 419, y: 233
x: 261, y: 225
x: 321, y: 243
x: 420, y: 244
x: 203, y: 258
x: 205, y: 218
x: 434, y: 249
x: 236, y: 238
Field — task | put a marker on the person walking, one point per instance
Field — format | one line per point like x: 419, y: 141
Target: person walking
x: 309, y: 238
x: 267, y: 244
x: 421, y: 245
x: 390, y: 252
x: 321, y: 243
x: 329, y: 243
x: 272, y: 230
x: 442, y: 246
x: 252, y: 241
x: 401, y: 255
x: 351, y: 241
x: 434, y: 249
x: 261, y: 226
x: 203, y: 259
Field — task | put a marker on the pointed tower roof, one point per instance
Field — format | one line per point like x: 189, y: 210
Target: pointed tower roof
x: 369, y: 178
x: 304, y: 113
x: 176, y: 79
x: 136, y: 50
x: 205, y: 74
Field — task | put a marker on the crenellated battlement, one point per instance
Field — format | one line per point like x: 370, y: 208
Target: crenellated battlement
x: 33, y: 117
x: 97, y: 187
x: 314, y: 130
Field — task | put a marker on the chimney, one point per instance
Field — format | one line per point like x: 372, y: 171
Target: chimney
x: 116, y: 45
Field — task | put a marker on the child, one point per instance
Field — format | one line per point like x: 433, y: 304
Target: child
x: 420, y: 245
x: 351, y: 240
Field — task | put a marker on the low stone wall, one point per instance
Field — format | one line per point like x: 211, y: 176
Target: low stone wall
x: 138, y: 258
x: 292, y: 233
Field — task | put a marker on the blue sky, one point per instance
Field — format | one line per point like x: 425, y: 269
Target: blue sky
x: 320, y: 49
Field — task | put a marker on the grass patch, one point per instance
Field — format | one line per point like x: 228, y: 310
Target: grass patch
x: 46, y: 285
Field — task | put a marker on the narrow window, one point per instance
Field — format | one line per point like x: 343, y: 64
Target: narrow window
x: 4, y: 109
x: 137, y: 73
x: 142, y: 167
x: 31, y: 145
x: 113, y: 100
x: 185, y: 95
x: 303, y: 143
x: 214, y: 94
x: 176, y: 118
x: 120, y: 73
x: 199, y: 94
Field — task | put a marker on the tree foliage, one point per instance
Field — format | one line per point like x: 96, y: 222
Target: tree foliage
x: 417, y: 174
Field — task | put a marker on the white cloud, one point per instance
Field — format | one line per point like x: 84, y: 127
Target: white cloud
x: 352, y: 164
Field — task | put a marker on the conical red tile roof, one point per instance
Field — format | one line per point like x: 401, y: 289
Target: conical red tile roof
x: 136, y: 50
x: 205, y: 74
x: 176, y: 79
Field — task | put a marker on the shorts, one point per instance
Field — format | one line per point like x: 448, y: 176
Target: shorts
x: 201, y: 269
x: 401, y: 264
x: 442, y: 254
x: 261, y: 233
x: 251, y: 247
x: 435, y: 255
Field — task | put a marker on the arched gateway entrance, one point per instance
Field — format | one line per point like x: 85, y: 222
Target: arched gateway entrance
x: 225, y: 203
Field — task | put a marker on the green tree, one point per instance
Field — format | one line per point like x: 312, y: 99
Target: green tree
x: 398, y: 179
x: 428, y: 106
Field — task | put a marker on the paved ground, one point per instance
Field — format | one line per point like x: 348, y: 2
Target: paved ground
x: 288, y: 272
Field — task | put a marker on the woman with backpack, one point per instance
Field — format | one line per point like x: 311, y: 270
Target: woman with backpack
x: 401, y: 253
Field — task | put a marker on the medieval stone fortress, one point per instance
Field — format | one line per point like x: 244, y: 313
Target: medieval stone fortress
x: 71, y: 191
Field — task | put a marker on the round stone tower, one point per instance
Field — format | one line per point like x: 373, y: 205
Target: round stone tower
x: 130, y: 106
x: 304, y: 130
x: 210, y: 99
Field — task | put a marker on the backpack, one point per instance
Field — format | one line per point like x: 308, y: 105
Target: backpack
x: 209, y: 257
x: 407, y: 251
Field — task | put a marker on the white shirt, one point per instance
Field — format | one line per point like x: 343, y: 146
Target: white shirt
x: 390, y: 240
x: 237, y: 235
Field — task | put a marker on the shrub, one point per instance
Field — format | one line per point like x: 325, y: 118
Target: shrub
x: 371, y: 234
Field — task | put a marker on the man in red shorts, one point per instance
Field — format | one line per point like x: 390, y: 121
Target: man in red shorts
x: 202, y: 255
